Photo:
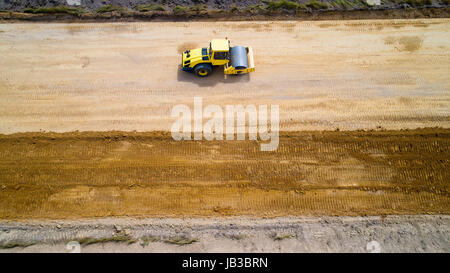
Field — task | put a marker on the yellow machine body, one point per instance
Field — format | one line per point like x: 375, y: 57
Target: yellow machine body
x: 201, y: 60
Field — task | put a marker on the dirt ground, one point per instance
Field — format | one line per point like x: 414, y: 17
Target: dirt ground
x: 323, y: 75
x: 424, y: 233
x: 79, y: 175
x: 352, y: 95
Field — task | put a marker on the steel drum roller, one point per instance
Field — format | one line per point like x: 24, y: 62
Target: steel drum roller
x: 239, y: 57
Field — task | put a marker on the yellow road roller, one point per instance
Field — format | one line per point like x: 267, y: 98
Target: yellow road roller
x: 236, y: 59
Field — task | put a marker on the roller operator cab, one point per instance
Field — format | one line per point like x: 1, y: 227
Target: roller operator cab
x: 236, y: 59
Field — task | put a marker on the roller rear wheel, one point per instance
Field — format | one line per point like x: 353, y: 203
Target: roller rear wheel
x: 203, y: 70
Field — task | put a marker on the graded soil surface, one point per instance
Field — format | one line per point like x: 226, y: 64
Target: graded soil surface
x: 85, y: 114
x: 101, y: 174
x: 356, y: 74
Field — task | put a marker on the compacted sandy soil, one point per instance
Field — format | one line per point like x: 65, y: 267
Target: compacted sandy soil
x: 323, y: 75
x: 351, y: 94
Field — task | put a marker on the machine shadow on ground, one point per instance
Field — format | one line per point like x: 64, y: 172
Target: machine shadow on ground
x: 217, y: 76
